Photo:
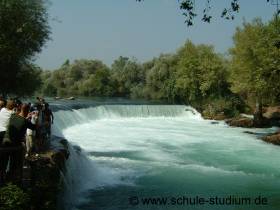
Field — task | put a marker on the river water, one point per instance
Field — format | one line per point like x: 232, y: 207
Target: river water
x: 164, y: 157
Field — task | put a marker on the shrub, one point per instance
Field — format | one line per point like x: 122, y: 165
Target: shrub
x: 12, y: 197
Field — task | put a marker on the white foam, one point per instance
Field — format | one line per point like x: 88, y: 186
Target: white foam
x: 124, y: 143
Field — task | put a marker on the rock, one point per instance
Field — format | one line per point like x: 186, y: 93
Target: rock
x: 219, y: 116
x: 247, y: 115
x: 248, y: 122
x: 64, y: 142
x: 272, y: 138
x: 240, y: 122
x: 272, y: 113
x: 46, y: 175
x: 250, y: 132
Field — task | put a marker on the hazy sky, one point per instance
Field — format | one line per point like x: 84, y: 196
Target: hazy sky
x: 107, y: 29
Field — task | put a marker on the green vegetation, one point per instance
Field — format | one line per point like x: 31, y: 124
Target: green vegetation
x: 195, y: 75
x: 12, y: 197
x: 24, y: 30
x: 255, y: 66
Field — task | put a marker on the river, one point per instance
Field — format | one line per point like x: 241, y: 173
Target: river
x: 145, y: 156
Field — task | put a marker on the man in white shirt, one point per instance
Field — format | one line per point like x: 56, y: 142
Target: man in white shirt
x: 5, y: 115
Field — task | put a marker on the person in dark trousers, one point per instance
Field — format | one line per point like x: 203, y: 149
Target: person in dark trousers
x: 14, y: 139
x: 48, y: 119
x: 5, y: 114
x: 41, y: 130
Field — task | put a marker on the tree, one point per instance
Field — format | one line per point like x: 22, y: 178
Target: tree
x: 97, y: 84
x: 125, y: 74
x: 24, y: 30
x: 200, y: 74
x: 160, y: 81
x: 28, y: 79
x: 48, y: 88
x: 83, y: 77
x: 255, y: 66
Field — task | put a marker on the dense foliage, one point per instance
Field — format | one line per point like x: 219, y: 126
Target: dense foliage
x: 195, y: 74
x: 255, y: 66
x: 12, y: 197
x: 24, y: 30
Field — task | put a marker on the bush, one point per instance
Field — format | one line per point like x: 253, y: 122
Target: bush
x: 226, y: 107
x: 12, y: 197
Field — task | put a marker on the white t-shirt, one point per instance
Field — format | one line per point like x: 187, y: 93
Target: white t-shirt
x: 33, y: 121
x: 5, y: 115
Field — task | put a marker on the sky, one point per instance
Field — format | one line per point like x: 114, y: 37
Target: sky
x: 107, y: 29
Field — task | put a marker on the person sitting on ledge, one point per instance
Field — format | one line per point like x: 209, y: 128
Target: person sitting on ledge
x: 14, y: 139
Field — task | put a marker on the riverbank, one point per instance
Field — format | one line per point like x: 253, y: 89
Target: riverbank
x: 42, y: 180
x: 271, y: 118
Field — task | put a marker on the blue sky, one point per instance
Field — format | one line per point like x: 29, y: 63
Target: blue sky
x: 107, y: 29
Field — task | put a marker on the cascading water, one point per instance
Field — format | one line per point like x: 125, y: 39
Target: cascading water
x: 162, y: 151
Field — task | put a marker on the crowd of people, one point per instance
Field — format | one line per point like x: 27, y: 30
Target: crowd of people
x: 25, y: 130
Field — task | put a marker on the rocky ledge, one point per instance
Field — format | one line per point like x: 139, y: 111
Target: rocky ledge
x: 271, y: 117
x: 272, y: 138
x: 240, y: 122
x: 45, y: 174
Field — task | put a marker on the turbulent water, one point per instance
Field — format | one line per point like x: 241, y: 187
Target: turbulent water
x: 164, y: 155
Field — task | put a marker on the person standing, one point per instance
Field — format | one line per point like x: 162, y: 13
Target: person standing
x: 48, y: 119
x: 14, y: 139
x: 41, y: 130
x: 5, y: 115
x: 30, y: 134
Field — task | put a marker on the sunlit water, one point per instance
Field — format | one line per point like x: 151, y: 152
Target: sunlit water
x: 165, y: 151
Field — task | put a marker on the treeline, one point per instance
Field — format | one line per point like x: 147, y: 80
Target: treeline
x: 195, y: 74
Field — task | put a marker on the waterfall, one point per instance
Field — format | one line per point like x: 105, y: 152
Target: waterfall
x: 67, y: 118
x: 81, y: 171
